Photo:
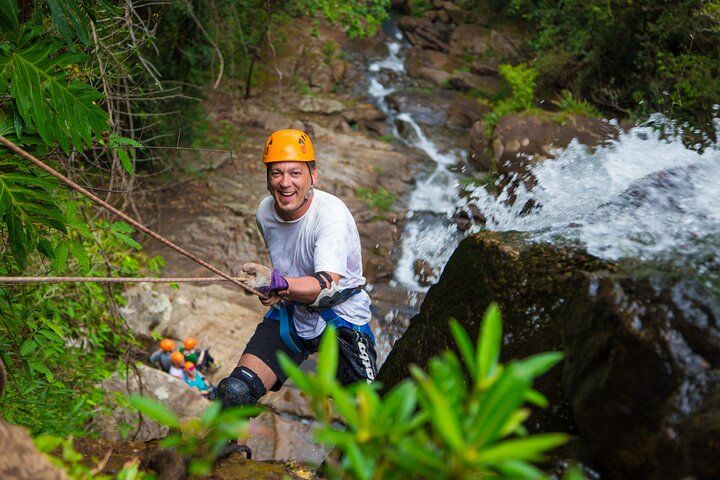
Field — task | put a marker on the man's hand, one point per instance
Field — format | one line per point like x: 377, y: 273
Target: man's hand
x: 264, y: 280
x: 255, y: 275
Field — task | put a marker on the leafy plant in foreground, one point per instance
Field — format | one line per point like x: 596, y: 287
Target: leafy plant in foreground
x: 201, y: 439
x: 72, y: 462
x: 451, y: 421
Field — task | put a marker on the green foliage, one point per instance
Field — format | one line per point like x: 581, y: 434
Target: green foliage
x: 452, y: 421
x: 419, y: 7
x: 686, y: 82
x: 568, y: 104
x: 72, y: 462
x: 522, y: 80
x: 59, y: 341
x: 620, y: 52
x: 200, y: 439
x: 378, y: 198
x: 38, y: 75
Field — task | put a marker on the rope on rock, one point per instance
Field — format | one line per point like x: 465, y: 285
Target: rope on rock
x: 16, y: 149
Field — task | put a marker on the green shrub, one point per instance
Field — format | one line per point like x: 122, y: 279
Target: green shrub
x: 567, y: 104
x: 522, y: 80
x: 379, y: 198
x: 458, y: 419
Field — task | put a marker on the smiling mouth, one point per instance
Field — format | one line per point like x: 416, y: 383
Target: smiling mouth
x: 286, y: 195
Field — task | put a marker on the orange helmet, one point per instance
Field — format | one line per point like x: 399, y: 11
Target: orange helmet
x: 167, y: 345
x: 177, y: 357
x: 189, y: 366
x: 288, y: 146
x: 189, y: 343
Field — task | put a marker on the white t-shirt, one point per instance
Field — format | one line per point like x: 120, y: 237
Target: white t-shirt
x: 325, y: 239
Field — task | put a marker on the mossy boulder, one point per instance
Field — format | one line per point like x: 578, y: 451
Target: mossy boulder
x: 639, y: 384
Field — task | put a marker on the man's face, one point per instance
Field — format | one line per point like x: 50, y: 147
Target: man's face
x: 288, y: 183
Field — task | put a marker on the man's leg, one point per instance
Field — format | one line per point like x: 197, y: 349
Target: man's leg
x: 357, y: 359
x: 258, y: 369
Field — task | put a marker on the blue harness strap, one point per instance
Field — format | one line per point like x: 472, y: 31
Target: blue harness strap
x: 289, y: 335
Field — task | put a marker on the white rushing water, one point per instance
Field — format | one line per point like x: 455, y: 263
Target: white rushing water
x: 641, y: 196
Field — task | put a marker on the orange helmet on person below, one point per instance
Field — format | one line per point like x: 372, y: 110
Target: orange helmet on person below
x: 288, y: 146
x: 189, y: 343
x: 177, y: 357
x: 189, y: 366
x: 167, y: 345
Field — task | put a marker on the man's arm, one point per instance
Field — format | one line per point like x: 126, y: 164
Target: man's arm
x: 306, y: 289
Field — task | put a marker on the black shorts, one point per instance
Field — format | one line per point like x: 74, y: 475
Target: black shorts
x: 356, y: 352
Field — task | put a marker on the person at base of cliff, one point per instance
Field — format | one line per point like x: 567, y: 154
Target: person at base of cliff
x: 161, y: 357
x: 316, y: 279
x: 178, y: 362
x: 201, y: 358
x: 196, y: 380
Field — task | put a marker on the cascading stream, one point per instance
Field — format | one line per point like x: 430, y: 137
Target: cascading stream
x: 430, y: 236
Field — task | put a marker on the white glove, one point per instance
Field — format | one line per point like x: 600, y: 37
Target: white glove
x: 255, y: 275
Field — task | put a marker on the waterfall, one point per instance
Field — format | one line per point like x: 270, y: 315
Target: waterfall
x: 644, y: 195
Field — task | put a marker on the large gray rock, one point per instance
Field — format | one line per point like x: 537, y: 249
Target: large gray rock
x: 20, y: 460
x: 640, y: 382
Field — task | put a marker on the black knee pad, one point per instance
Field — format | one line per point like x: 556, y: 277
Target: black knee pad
x: 242, y: 387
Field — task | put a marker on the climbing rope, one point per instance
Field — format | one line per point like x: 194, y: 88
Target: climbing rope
x: 112, y: 279
x: 126, y: 218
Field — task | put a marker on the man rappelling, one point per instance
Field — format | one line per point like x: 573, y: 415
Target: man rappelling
x: 316, y: 277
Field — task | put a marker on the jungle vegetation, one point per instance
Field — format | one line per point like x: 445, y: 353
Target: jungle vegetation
x: 88, y: 86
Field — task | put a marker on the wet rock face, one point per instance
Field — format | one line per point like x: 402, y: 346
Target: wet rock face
x: 642, y: 375
x: 640, y: 383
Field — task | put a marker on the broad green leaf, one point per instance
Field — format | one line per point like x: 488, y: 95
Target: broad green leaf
x: 536, y: 398
x: 62, y: 111
x: 399, y: 404
x: 442, y: 415
x: 361, y: 465
x: 154, y: 410
x: 28, y: 347
x: 462, y: 340
x: 71, y: 20
x: 294, y: 372
x: 517, y: 469
x: 78, y: 251
x: 9, y: 13
x: 42, y: 368
x: 529, y: 448
x: 211, y: 413
x: 122, y: 227
x: 345, y: 406
x: 496, y: 407
x: 115, y: 140
x: 327, y: 362
x: 536, y: 365
x: 127, y: 240
x: 489, y: 343
x: 45, y: 247
x: 125, y: 160
x: 61, y: 256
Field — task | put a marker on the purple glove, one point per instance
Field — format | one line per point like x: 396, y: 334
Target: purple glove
x: 277, y: 284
